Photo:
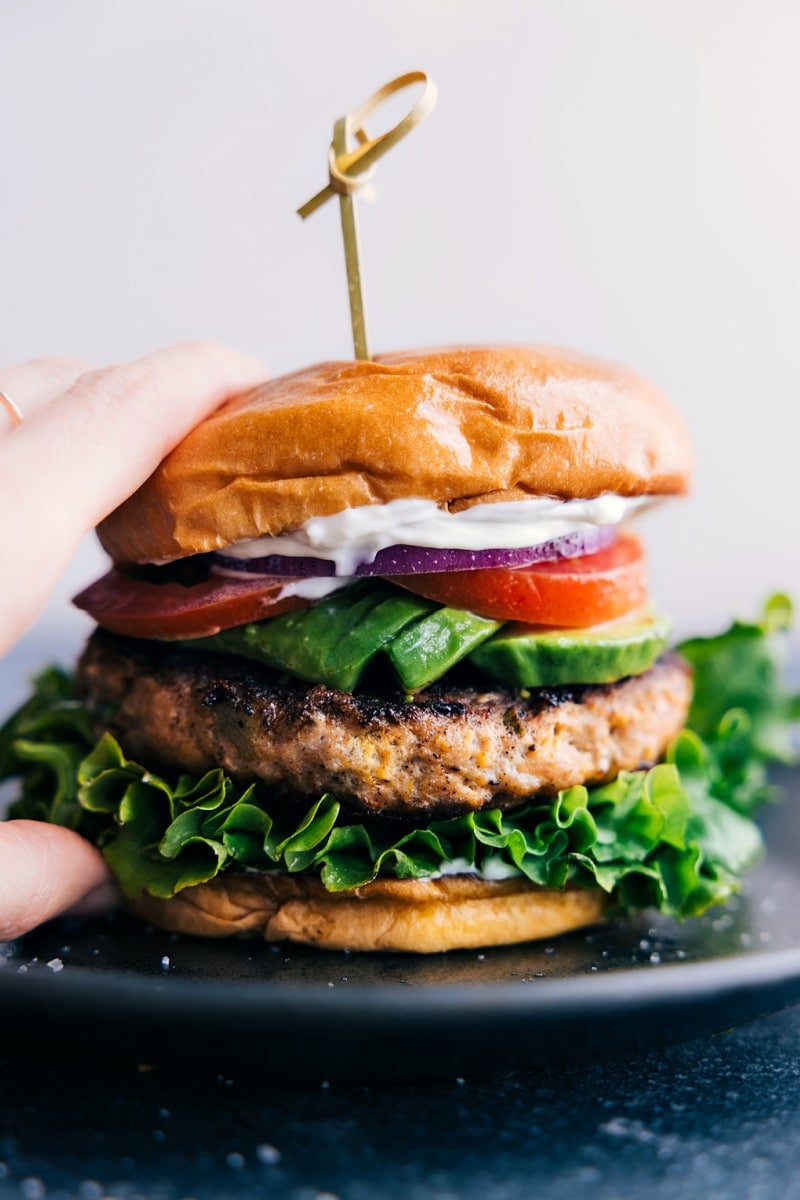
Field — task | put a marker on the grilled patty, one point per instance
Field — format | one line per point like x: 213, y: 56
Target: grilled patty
x: 450, y: 750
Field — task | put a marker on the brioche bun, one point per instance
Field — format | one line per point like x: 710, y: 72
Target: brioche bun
x: 423, y: 916
x: 459, y: 426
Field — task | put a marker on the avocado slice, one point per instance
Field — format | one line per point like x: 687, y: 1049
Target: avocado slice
x: 428, y: 648
x: 534, y: 656
x: 332, y: 642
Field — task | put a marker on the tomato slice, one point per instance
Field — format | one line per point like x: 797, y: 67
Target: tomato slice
x: 139, y: 607
x: 574, y: 592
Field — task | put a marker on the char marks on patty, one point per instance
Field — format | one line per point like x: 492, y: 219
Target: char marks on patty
x: 448, y: 750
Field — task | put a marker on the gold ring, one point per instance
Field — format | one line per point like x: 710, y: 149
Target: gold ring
x: 8, y: 404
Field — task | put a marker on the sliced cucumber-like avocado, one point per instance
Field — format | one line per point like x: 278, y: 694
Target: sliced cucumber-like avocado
x: 531, y: 657
x: 428, y: 648
x: 333, y: 642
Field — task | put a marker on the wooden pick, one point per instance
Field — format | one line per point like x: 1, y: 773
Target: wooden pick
x: 350, y: 170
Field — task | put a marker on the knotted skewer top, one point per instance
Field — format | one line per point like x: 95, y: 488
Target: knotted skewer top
x: 351, y: 169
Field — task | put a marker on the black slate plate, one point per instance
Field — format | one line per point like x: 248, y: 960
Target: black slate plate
x: 117, y: 989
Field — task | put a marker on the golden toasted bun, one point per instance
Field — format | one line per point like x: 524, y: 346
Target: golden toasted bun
x: 457, y: 426
x: 423, y: 916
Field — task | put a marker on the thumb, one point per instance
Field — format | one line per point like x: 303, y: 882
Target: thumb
x: 44, y: 870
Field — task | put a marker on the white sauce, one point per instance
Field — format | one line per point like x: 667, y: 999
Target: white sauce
x: 355, y: 536
x: 313, y: 588
x: 494, y: 868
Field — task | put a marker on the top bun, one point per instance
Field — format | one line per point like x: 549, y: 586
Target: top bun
x: 459, y: 426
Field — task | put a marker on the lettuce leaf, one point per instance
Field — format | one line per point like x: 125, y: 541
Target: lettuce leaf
x: 741, y: 714
x: 676, y: 837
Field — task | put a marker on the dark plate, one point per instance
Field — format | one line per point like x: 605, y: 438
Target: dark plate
x: 291, y: 1012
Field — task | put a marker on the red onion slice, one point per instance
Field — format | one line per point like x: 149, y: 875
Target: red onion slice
x: 415, y: 560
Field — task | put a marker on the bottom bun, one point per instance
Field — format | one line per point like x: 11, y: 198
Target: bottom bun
x: 422, y: 916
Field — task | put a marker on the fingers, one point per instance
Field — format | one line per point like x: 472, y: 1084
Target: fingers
x: 35, y: 383
x: 75, y: 459
x: 44, y: 871
x: 97, y: 442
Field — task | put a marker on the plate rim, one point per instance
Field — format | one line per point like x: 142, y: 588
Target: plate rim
x: 665, y: 982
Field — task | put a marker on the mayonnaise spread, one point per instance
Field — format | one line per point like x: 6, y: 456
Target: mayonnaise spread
x: 493, y: 868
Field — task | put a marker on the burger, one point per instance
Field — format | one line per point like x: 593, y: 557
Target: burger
x: 376, y: 666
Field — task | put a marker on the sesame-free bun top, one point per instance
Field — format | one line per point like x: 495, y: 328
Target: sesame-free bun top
x: 459, y: 426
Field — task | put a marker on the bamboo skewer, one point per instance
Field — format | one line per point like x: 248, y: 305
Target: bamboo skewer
x: 350, y: 171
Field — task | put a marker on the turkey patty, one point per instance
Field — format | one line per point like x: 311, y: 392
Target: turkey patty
x: 449, y: 750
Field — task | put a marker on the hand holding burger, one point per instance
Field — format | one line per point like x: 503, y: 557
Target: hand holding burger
x: 341, y: 586
x: 88, y: 439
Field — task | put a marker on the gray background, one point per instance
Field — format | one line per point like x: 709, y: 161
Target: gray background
x: 619, y: 177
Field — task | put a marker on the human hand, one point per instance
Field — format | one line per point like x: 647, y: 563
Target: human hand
x: 88, y: 439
